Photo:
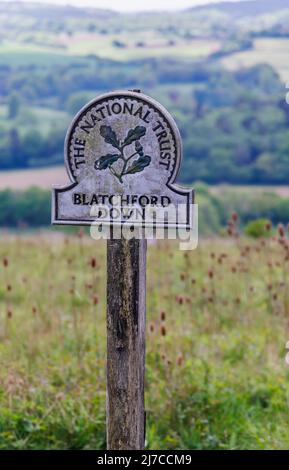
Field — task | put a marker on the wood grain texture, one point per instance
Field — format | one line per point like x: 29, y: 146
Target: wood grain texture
x: 126, y: 312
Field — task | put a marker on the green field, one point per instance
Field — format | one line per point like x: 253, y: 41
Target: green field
x: 273, y: 51
x: 216, y: 376
x: 68, y: 49
x: 34, y: 118
x: 152, y: 45
x: 17, y: 54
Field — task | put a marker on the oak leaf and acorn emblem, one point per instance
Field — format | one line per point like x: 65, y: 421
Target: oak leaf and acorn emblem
x: 134, y: 163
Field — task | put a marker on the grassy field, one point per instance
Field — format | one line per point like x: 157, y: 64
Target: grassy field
x: 19, y: 54
x: 273, y: 51
x: 137, y: 46
x: 282, y: 191
x: 150, y: 43
x: 218, y: 322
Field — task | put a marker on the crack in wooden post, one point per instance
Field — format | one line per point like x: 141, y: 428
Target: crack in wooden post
x: 126, y: 312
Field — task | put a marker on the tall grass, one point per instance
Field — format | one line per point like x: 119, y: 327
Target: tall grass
x: 218, y: 322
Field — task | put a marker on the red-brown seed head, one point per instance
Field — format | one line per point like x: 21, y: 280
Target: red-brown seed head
x: 180, y: 360
x: 5, y: 262
x: 93, y: 263
x: 268, y: 226
x: 234, y: 216
x: 281, y: 230
x: 80, y: 233
x: 163, y: 316
x: 163, y: 330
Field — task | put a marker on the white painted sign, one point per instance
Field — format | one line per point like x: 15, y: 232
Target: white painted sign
x: 122, y: 154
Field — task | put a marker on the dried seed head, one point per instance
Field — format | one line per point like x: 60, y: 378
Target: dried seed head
x: 93, y: 263
x: 268, y: 226
x: 9, y: 313
x: 5, y: 262
x: 151, y: 327
x: 163, y: 316
x: 182, y: 277
x: 193, y: 281
x: 211, y: 273
x: 34, y: 310
x: 95, y: 300
x: 180, y: 360
x: 80, y: 233
x: 281, y: 230
x: 234, y: 216
x: 9, y: 287
x: 163, y: 330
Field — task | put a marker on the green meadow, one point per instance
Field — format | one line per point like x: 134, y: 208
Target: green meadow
x: 217, y: 324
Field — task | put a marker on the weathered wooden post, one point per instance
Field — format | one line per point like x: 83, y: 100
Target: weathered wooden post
x: 126, y: 314
x: 122, y: 154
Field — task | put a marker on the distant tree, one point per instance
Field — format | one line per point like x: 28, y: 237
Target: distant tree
x: 14, y: 104
x: 119, y: 44
x: 76, y: 101
x: 15, y: 148
x: 92, y: 28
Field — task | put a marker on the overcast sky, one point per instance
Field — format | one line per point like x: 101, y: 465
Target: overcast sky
x: 131, y: 5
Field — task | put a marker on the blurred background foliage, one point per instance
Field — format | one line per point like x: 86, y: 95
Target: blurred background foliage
x: 220, y: 70
x: 31, y: 208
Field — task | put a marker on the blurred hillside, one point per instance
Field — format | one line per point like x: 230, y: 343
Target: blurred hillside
x: 221, y: 70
